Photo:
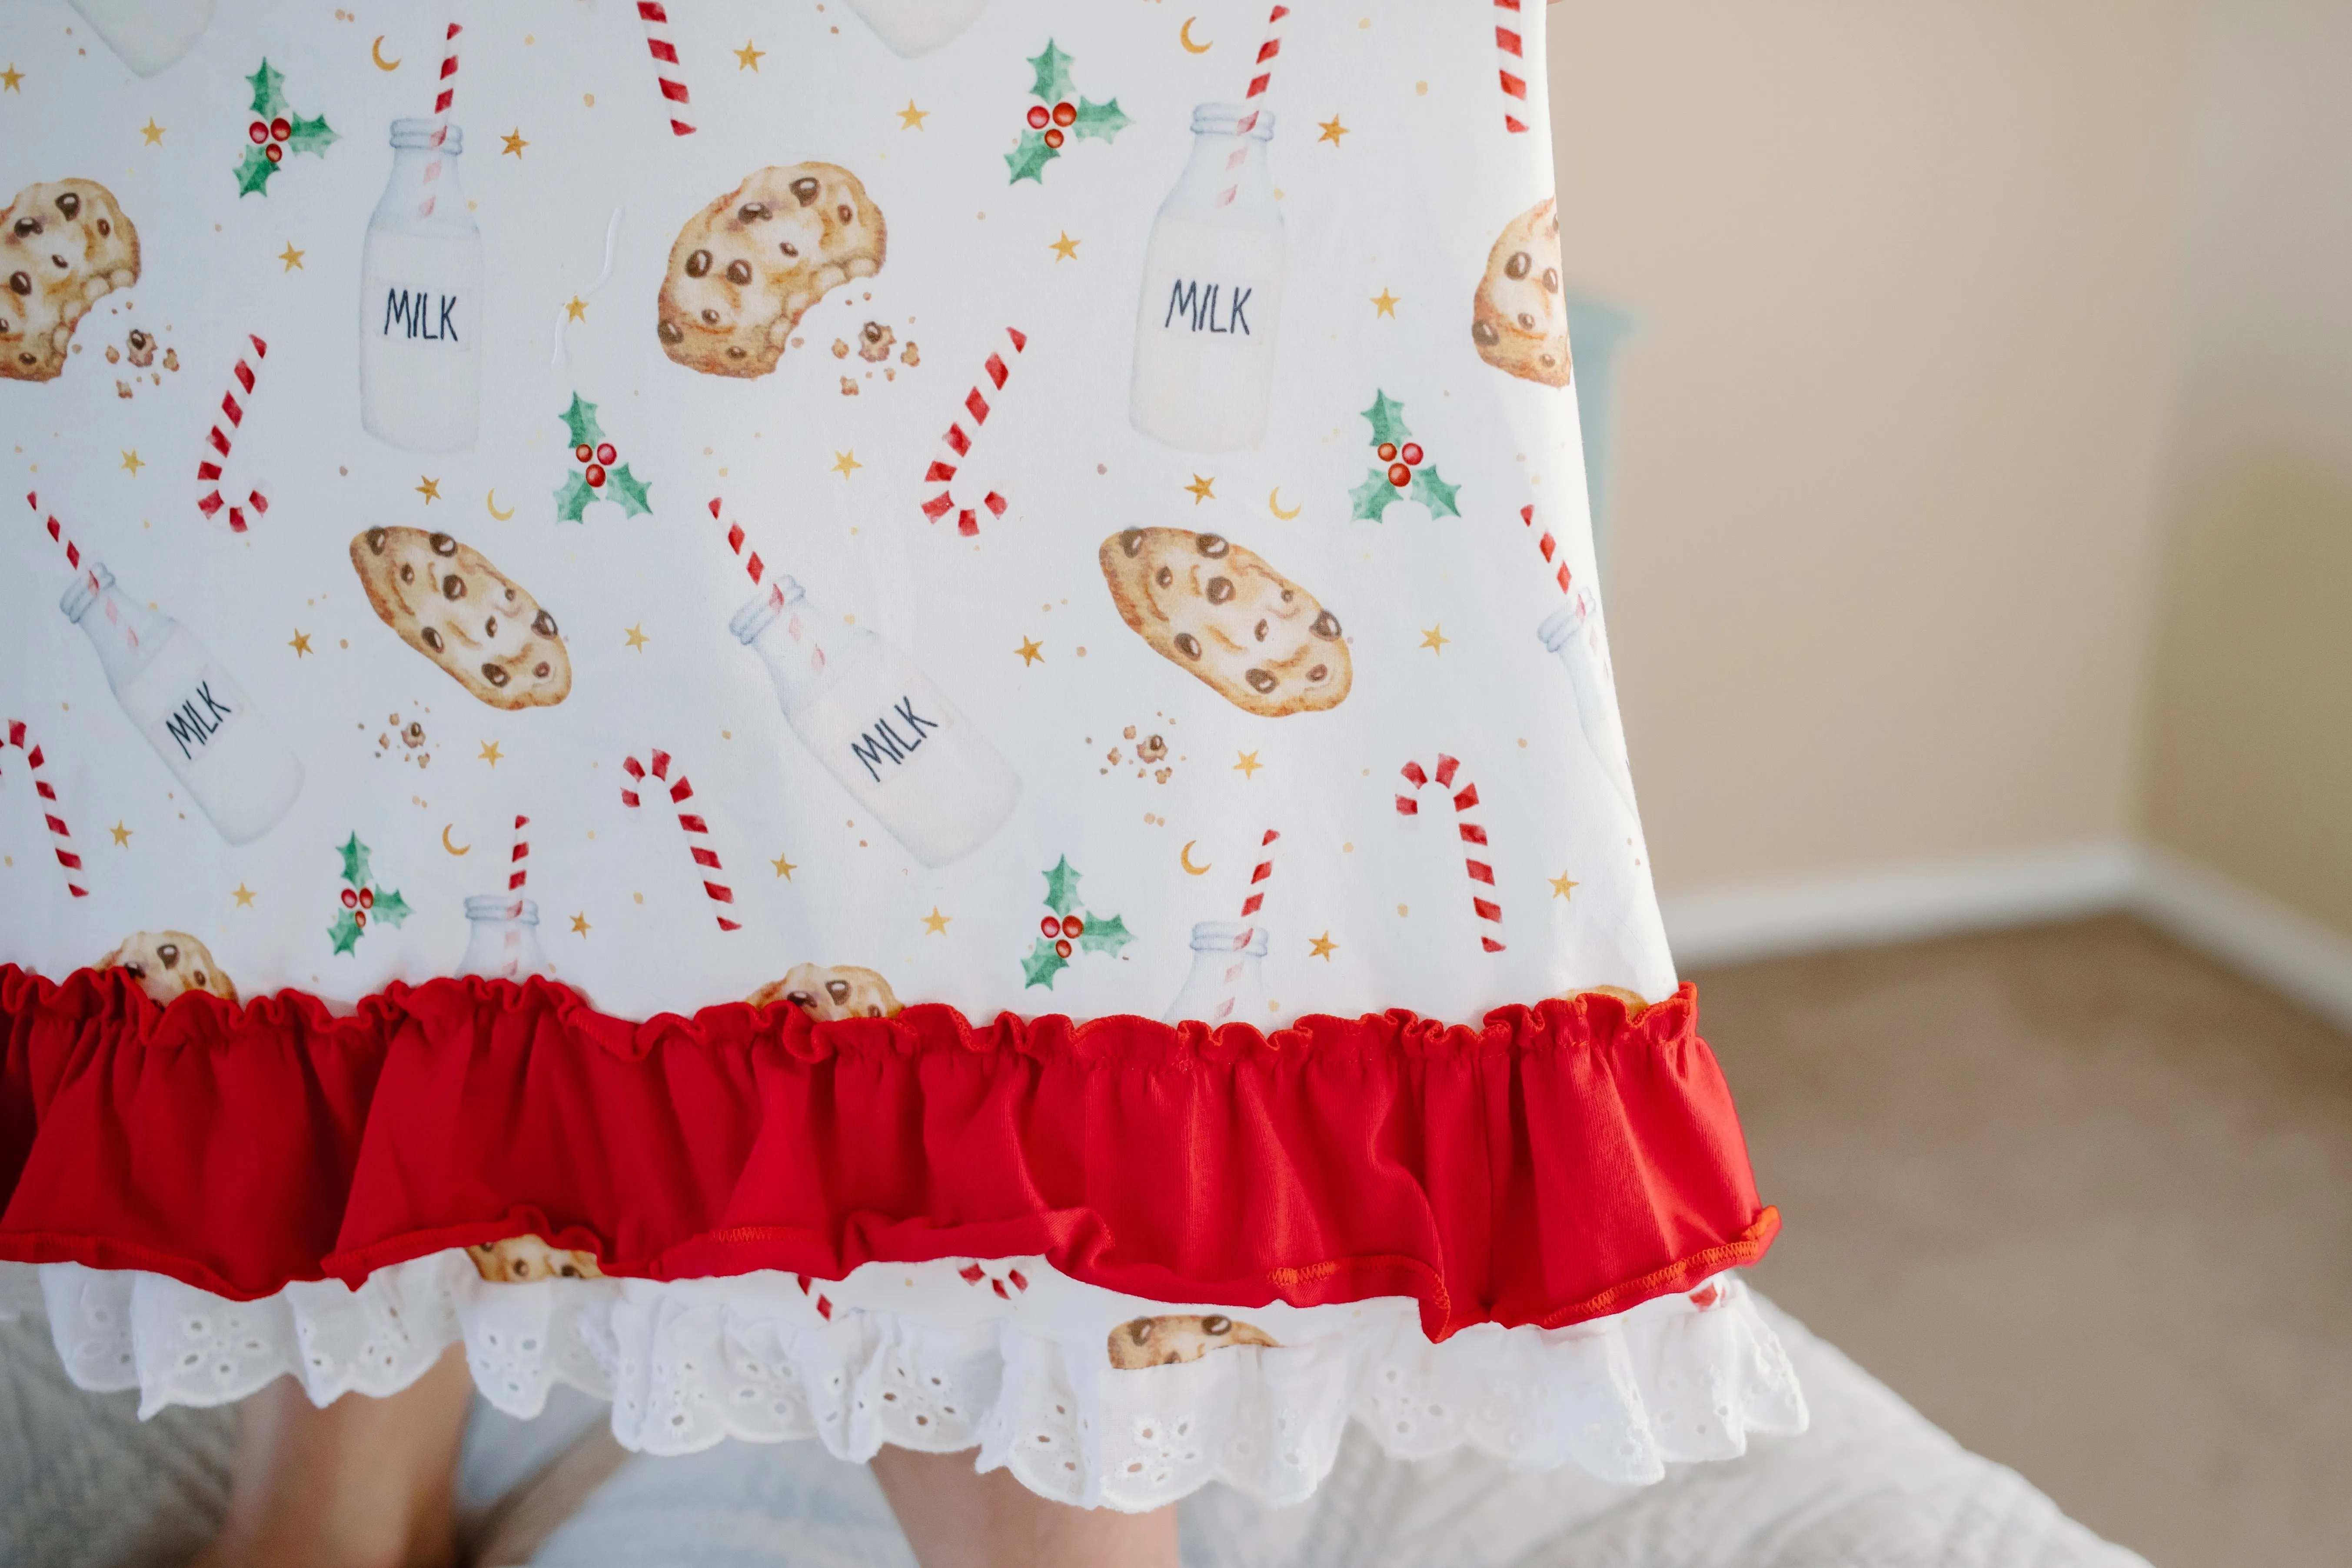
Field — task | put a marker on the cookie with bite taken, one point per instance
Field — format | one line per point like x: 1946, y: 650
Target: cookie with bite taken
x: 518, y: 1259
x: 745, y: 269
x: 168, y: 964
x: 1213, y: 608
x: 1182, y: 1337
x: 842, y: 991
x: 1520, y: 320
x: 64, y: 245
x: 448, y: 602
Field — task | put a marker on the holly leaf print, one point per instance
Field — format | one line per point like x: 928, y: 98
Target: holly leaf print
x: 1062, y: 887
x: 1104, y: 933
x: 1433, y: 493
x: 1028, y: 161
x: 581, y: 420
x: 355, y: 862
x: 1102, y: 119
x: 392, y: 909
x: 1388, y: 421
x: 312, y: 136
x: 1053, y: 68
x: 571, y: 498
x: 1042, y: 965
x: 626, y: 488
x: 345, y: 932
x: 269, y: 92
x: 1372, y: 497
x: 253, y: 172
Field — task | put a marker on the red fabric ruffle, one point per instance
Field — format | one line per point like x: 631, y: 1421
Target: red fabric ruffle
x: 1554, y: 1163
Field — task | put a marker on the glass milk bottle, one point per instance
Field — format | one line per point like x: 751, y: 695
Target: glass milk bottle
x: 421, y: 301
x: 197, y: 716
x: 1228, y: 980
x: 504, y: 942
x: 880, y: 726
x: 913, y: 28
x: 1211, y: 292
x: 1574, y: 632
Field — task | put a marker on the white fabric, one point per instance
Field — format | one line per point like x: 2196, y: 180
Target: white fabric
x: 690, y: 1363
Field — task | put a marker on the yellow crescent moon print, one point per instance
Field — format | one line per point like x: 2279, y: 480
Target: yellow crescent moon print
x: 1184, y: 858
x: 1274, y: 505
x: 491, y: 500
x: 1184, y: 36
x: 375, y: 51
x: 453, y: 850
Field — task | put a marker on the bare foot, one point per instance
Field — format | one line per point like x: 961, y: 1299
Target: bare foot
x: 364, y: 1483
x: 956, y: 1518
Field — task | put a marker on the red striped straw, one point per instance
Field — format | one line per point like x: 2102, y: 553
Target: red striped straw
x: 1546, y: 543
x: 1480, y: 873
x: 208, y: 469
x: 698, y: 831
x: 1264, y: 63
x: 1510, y: 45
x: 442, y: 100
x: 753, y: 566
x: 74, y: 559
x: 1259, y: 877
x: 665, y: 66
x: 955, y: 447
x: 58, y: 832
x: 521, y: 872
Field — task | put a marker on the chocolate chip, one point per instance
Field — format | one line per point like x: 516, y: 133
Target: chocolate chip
x: 805, y: 189
x: 170, y: 954
x: 1220, y: 590
x: 711, y: 318
x: 1141, y: 1330
x: 496, y: 674
x: 491, y: 627
x: 407, y: 572
x: 139, y: 971
x: 752, y: 212
x: 697, y: 264
x: 1163, y: 576
x: 1551, y: 280
x: 197, y: 979
x: 736, y: 354
x: 1326, y: 626
x: 512, y: 594
x: 1261, y: 631
x: 1216, y: 1323
x: 443, y: 544
x: 544, y: 624
x: 59, y: 262
x: 1212, y: 545
x: 1187, y: 645
x: 738, y: 272
x: 1519, y: 265
x: 27, y: 225
x: 137, y: 341
x: 672, y: 333
x: 70, y: 204
x: 453, y: 586
x: 21, y: 281
x: 1319, y: 674
x: 789, y: 248
x: 1261, y: 681
x: 1131, y: 542
x: 570, y: 1271
x: 542, y: 669
x: 847, y: 212
x: 1549, y: 360
x: 1527, y: 322
x: 837, y: 989
x: 432, y: 638
x: 805, y: 1000
x: 1485, y: 332
x: 376, y: 538
x: 105, y: 227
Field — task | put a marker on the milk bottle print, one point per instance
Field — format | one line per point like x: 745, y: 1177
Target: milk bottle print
x: 503, y: 938
x: 1574, y: 632
x: 421, y: 301
x: 197, y: 718
x: 1228, y: 980
x: 1212, y: 300
x: 880, y: 726
x: 913, y: 28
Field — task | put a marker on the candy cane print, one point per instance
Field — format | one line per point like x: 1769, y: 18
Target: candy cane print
x: 665, y: 53
x: 1510, y: 43
x: 62, y: 837
x: 955, y: 447
x: 208, y: 470
x: 1481, y: 873
x: 698, y: 831
x: 1546, y: 543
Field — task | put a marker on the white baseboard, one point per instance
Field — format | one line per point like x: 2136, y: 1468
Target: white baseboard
x: 1780, y: 916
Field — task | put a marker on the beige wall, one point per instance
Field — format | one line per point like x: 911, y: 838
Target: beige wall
x: 1892, y: 446
x: 2252, y: 755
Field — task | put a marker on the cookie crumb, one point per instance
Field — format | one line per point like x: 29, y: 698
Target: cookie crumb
x: 874, y: 341
x: 121, y: 389
x: 171, y: 359
x: 848, y: 387
x: 840, y: 348
x: 909, y: 356
x: 113, y: 355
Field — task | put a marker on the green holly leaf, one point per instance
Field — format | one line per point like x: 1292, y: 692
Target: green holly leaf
x: 581, y: 420
x: 312, y: 136
x: 1028, y: 161
x: 1053, y: 68
x: 253, y: 172
x: 627, y: 489
x: 355, y: 862
x: 1062, y: 887
x: 1372, y: 497
x: 1389, y: 428
x: 269, y: 92
x: 392, y: 909
x: 1433, y: 493
x: 1104, y: 933
x: 1102, y: 119
x: 1042, y: 965
x: 345, y: 932
x: 571, y: 498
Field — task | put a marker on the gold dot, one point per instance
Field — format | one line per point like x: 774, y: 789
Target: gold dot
x: 1421, y: 88
x: 589, y: 99
x: 641, y: 899
x: 1401, y: 909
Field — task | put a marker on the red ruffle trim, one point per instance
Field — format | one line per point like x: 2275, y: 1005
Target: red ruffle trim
x: 1554, y: 1163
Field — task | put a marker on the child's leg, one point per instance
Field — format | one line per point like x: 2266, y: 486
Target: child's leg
x: 364, y: 1483
x: 956, y: 1518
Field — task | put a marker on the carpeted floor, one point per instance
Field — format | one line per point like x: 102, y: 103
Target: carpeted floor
x: 2085, y: 1199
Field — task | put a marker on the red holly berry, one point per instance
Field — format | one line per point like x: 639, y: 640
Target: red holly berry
x: 281, y: 129
x: 258, y: 130
x: 1066, y: 114
x: 274, y: 152
x: 1053, y: 138
x: 584, y: 452
x: 605, y: 454
x: 367, y: 898
x: 1412, y: 453
x: 361, y: 917
x: 1050, y: 926
x: 1387, y: 451
x: 1072, y: 925
x: 1040, y: 117
x: 351, y: 899
x: 595, y: 475
x: 1399, y: 475
x: 1063, y: 948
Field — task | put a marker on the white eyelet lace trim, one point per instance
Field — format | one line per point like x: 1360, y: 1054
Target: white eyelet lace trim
x: 758, y: 1357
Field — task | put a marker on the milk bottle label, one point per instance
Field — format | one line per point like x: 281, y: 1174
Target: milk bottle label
x: 436, y: 317
x: 1197, y: 305
x: 894, y: 738
x: 204, y: 710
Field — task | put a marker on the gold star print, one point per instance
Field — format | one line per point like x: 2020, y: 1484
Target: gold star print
x: 1248, y: 766
x: 121, y: 835
x: 579, y: 924
x: 1322, y: 947
x: 490, y: 752
x: 637, y: 638
x: 11, y: 77
x: 132, y: 462
x: 1065, y: 249
x: 243, y: 897
x: 843, y: 462
x: 430, y: 489
x: 576, y: 310
x: 291, y: 256
x: 1030, y: 651
x: 1332, y: 131
x: 301, y: 643
x: 746, y: 58
x: 1200, y: 489
x: 514, y: 142
x: 1561, y: 886
x: 1385, y: 303
x: 935, y: 923
x: 785, y: 867
x: 1434, y: 639
x: 911, y: 118
x: 152, y: 131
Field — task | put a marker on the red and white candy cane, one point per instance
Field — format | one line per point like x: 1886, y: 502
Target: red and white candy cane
x: 1511, y: 44
x: 666, y: 67
x: 1546, y: 543
x: 63, y: 838
x: 955, y: 446
x: 209, y: 468
x: 1481, y: 873
x: 698, y: 831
